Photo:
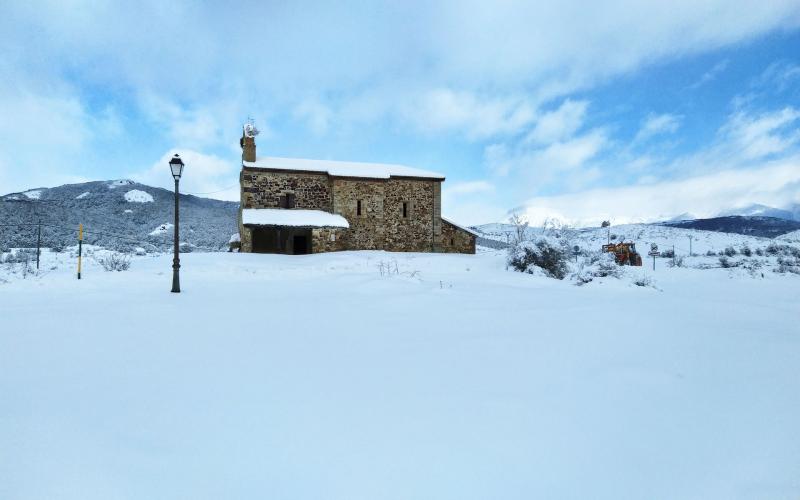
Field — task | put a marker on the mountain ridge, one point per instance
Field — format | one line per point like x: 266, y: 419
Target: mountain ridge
x: 119, y: 214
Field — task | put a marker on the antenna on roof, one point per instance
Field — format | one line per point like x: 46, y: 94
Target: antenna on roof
x: 250, y: 129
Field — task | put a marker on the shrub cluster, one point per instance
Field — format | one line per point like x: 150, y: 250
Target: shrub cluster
x: 547, y: 254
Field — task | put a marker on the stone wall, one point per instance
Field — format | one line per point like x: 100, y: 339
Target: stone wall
x: 367, y: 231
x: 456, y: 240
x: 328, y: 240
x: 262, y: 189
x: 415, y: 232
x: 380, y: 225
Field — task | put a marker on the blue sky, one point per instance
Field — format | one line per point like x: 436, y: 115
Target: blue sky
x: 623, y: 110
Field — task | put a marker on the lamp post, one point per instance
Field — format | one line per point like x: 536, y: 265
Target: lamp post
x: 176, y: 166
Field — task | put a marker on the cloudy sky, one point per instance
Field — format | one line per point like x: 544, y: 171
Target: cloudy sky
x: 577, y: 109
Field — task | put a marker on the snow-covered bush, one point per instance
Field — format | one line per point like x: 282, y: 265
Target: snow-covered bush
x: 729, y: 251
x: 745, y: 250
x: 597, y: 265
x: 759, y: 252
x: 785, y: 250
x: 726, y: 263
x: 668, y: 254
x: 115, y: 262
x: 788, y: 265
x: 676, y: 262
x: 235, y: 243
x: 643, y: 281
x: 548, y: 254
x: 710, y: 253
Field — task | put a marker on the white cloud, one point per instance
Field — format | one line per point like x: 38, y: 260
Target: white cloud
x: 711, y: 74
x: 658, y: 124
x: 754, y: 137
x: 559, y: 124
x: 479, y: 116
x: 203, y: 173
x: 775, y: 184
x: 568, y: 163
x: 779, y: 75
x: 316, y: 114
x: 272, y: 57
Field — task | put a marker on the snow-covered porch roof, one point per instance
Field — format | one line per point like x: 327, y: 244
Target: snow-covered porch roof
x: 460, y: 226
x: 292, y: 217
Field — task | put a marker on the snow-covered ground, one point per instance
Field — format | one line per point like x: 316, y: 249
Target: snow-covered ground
x: 138, y: 196
x: 372, y: 375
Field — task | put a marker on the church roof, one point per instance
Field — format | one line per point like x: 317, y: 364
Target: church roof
x: 292, y: 217
x: 343, y: 168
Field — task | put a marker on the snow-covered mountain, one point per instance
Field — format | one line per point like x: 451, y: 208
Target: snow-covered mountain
x: 769, y: 227
x: 685, y: 239
x: 790, y: 213
x: 118, y: 214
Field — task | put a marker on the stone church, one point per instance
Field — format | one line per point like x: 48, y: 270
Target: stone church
x: 297, y: 206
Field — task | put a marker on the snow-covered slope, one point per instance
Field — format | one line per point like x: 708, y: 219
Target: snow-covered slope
x: 446, y: 377
x: 117, y: 214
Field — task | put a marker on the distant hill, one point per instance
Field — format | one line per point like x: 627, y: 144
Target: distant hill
x: 768, y: 227
x: 119, y: 214
x: 791, y: 213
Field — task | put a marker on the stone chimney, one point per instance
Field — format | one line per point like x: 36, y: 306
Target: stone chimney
x: 248, y: 142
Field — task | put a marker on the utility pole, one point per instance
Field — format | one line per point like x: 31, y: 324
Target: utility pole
x: 690, y: 246
x: 38, y: 242
x: 80, y: 248
x: 673, y: 255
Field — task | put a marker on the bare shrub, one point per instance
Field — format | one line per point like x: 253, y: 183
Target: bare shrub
x: 643, y: 281
x: 115, y: 262
x: 520, y: 228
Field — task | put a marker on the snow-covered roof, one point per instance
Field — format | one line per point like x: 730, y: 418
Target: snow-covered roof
x: 292, y: 217
x: 343, y: 168
x: 463, y: 228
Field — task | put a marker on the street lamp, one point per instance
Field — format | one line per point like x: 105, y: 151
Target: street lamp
x: 176, y: 166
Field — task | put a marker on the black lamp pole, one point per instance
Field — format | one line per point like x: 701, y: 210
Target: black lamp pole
x: 176, y: 166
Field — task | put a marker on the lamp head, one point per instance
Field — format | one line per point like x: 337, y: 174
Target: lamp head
x: 176, y: 166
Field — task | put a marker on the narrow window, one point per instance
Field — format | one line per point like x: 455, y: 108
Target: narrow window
x: 405, y: 209
x: 358, y: 207
x: 452, y: 242
x: 289, y: 200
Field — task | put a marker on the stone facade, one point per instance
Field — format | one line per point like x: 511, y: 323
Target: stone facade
x: 456, y: 239
x: 261, y: 189
x: 401, y: 214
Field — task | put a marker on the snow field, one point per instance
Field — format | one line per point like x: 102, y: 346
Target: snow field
x: 444, y: 376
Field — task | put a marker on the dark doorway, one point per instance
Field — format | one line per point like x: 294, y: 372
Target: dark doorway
x: 286, y: 240
x: 265, y: 240
x: 300, y: 244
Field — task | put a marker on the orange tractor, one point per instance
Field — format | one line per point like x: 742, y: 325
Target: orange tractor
x: 624, y: 253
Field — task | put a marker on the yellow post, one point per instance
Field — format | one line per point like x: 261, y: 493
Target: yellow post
x: 80, y: 248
